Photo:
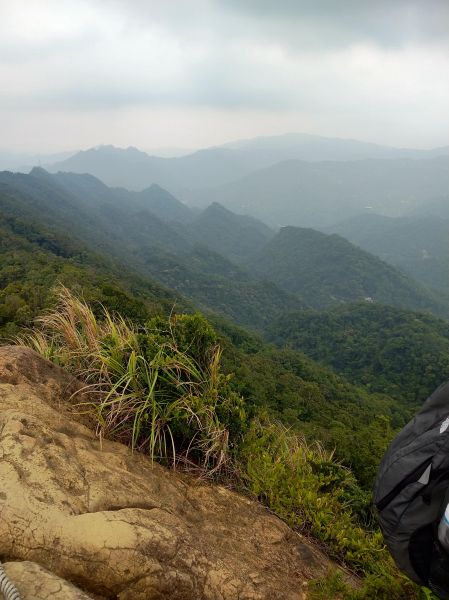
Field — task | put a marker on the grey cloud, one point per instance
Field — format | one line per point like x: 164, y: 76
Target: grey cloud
x: 385, y: 22
x: 208, y: 87
x: 298, y: 23
x: 322, y: 59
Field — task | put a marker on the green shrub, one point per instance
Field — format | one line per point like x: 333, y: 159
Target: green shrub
x: 159, y: 388
x: 307, y: 488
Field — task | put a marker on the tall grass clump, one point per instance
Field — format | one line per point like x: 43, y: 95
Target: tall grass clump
x: 304, y: 485
x: 158, y: 388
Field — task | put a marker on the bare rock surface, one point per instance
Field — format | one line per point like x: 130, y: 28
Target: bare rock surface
x: 117, y: 526
x: 33, y: 582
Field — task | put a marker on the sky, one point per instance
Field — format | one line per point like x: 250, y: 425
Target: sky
x: 196, y: 73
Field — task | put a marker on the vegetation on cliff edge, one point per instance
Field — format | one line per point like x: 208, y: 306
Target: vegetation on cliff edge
x: 160, y: 389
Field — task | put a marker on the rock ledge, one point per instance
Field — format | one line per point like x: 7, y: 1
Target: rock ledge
x: 116, y: 526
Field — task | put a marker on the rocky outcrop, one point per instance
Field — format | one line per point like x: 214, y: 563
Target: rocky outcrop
x: 33, y: 581
x: 117, y: 526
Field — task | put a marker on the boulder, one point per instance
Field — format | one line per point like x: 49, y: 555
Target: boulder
x: 33, y: 582
x: 115, y: 525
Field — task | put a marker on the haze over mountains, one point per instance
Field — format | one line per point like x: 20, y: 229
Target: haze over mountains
x: 220, y: 164
x: 297, y: 286
x: 121, y: 225
x: 418, y: 244
x: 318, y: 194
x: 374, y: 196
x: 357, y: 189
x: 293, y: 179
x: 223, y: 261
x: 327, y: 270
x: 223, y: 249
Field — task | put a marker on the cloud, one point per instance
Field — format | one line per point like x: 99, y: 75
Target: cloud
x: 331, y: 23
x: 372, y: 61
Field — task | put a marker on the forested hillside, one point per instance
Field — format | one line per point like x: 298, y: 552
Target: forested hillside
x: 327, y: 270
x: 385, y: 349
x: 34, y: 257
x: 234, y: 236
x: 120, y: 226
x: 302, y: 393
x: 418, y: 244
x: 304, y: 266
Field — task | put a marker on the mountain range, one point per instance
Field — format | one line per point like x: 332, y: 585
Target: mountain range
x: 309, y: 194
x: 294, y: 179
x: 120, y: 225
x: 133, y: 169
x: 197, y: 254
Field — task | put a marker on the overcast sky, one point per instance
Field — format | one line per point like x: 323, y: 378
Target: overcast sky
x: 193, y: 73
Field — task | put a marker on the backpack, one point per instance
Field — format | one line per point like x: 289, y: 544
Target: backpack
x: 411, y: 493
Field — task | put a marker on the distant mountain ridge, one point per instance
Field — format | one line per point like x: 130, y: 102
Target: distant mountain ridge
x: 209, y: 167
x: 135, y: 170
x: 268, y: 150
x: 319, y: 194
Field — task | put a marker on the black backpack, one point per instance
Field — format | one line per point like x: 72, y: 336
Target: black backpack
x: 411, y: 493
